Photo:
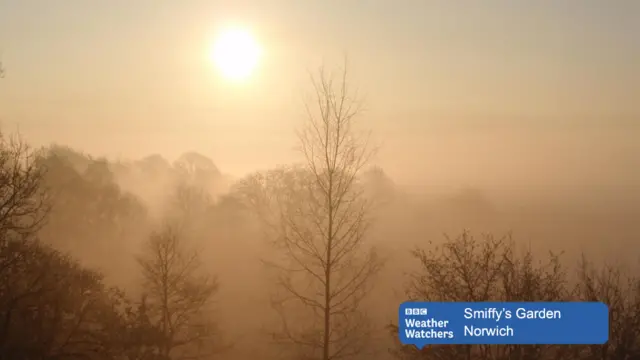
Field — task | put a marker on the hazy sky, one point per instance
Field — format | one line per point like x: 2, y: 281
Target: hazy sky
x: 458, y: 92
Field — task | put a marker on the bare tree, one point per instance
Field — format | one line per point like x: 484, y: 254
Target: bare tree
x: 318, y: 217
x: 179, y: 296
x: 621, y: 292
x: 467, y: 268
x: 24, y: 203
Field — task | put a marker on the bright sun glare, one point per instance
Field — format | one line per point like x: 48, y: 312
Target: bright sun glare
x: 236, y: 54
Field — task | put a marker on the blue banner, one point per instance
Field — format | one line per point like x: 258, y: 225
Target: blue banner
x: 425, y: 323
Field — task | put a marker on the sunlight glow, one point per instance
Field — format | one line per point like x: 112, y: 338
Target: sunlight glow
x: 236, y: 54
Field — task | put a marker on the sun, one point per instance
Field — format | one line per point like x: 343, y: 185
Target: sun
x: 236, y: 54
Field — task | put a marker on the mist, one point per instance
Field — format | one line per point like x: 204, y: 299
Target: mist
x: 104, y: 210
x: 217, y: 180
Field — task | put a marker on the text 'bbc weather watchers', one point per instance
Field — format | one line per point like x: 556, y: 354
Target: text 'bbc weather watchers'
x: 425, y: 323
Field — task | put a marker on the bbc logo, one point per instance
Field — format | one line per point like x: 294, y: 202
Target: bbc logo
x: 415, y: 311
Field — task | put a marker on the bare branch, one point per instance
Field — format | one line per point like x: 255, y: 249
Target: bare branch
x: 179, y: 294
x: 316, y: 215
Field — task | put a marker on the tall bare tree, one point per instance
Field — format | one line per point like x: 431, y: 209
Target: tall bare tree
x: 319, y: 220
x: 179, y: 296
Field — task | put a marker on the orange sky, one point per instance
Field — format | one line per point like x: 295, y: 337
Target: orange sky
x: 456, y: 94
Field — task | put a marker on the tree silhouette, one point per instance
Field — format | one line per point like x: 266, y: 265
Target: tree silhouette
x: 51, y: 307
x: 621, y: 292
x: 92, y: 217
x: 178, y: 296
x: 317, y: 216
x: 467, y: 268
x: 24, y: 202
